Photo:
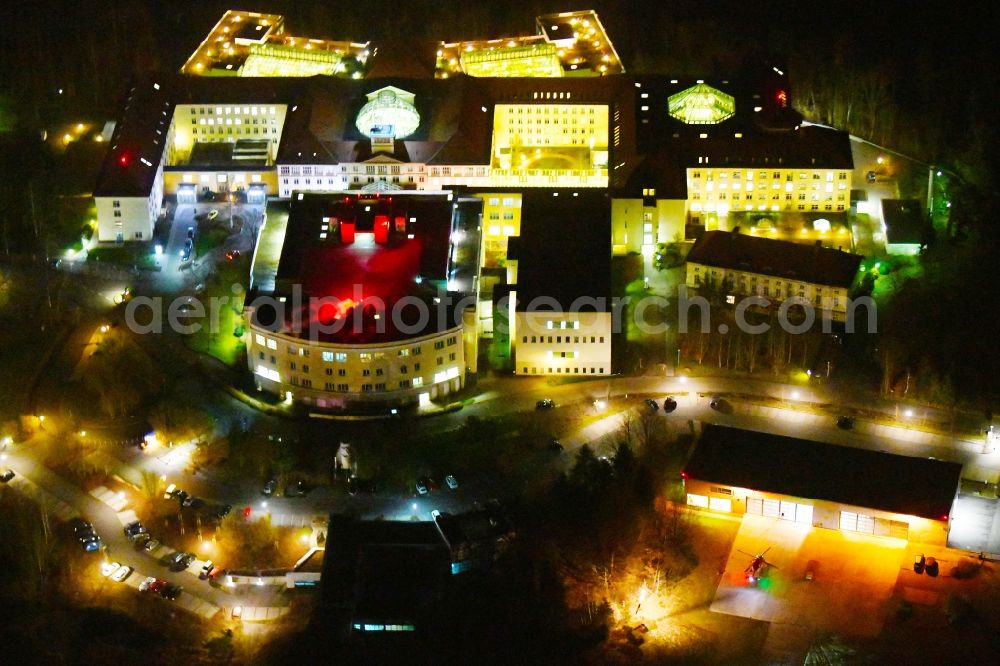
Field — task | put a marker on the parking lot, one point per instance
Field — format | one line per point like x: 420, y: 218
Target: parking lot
x: 854, y: 576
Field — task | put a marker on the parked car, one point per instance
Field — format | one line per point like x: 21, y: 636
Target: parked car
x: 545, y: 404
x: 108, y: 568
x: 223, y: 511
x: 157, y: 585
x: 151, y: 545
x: 451, y: 482
x: 669, y: 405
x: 7, y: 475
x: 269, y: 487
x: 421, y: 486
x: 181, y: 496
x: 90, y: 544
x: 134, y: 529
x: 845, y: 422
x: 918, y: 563
x: 356, y: 485
x: 554, y: 446
x: 212, y: 214
x: 652, y: 404
x: 931, y: 567
x: 171, y: 591
x: 180, y: 561
x: 297, y: 489
x: 215, y: 573
x: 192, y: 502
x: 206, y: 569
x: 870, y: 176
x: 190, y: 233
x: 146, y: 583
x: 121, y: 573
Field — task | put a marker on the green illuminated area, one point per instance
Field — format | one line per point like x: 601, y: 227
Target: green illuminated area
x: 547, y: 144
x: 534, y: 60
x: 277, y: 60
x: 701, y: 105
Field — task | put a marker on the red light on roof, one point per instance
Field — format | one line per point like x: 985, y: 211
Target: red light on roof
x: 123, y: 159
x: 782, y: 98
x: 684, y: 475
x: 944, y: 517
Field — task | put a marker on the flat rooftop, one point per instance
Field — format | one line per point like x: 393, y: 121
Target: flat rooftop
x: 803, y: 468
x: 564, y: 250
x: 905, y: 221
x: 351, y: 247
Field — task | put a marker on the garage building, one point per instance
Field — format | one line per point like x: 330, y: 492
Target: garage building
x: 856, y: 490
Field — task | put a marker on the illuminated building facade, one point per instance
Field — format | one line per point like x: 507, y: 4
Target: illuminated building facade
x: 714, y: 156
x: 564, y: 44
x: 337, y: 325
x: 843, y: 488
x: 554, y: 302
x: 739, y: 265
x: 261, y: 114
x: 252, y: 44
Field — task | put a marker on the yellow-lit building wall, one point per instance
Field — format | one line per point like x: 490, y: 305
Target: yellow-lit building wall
x: 824, y: 513
x: 637, y: 226
x: 545, y: 144
x: 775, y: 289
x: 331, y: 375
x: 220, y: 180
x: 561, y: 343
x: 501, y: 220
x: 714, y: 192
x: 211, y: 123
x: 531, y: 60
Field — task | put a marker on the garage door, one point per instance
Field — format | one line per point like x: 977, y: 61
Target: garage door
x: 800, y: 513
x: 720, y: 504
x: 857, y: 522
x: 698, y: 500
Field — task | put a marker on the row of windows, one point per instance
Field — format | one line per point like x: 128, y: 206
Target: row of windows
x: 340, y: 387
x: 709, y: 207
x: 776, y: 175
x: 722, y: 196
x: 576, y: 339
x: 559, y: 371
x: 229, y: 130
x: 365, y: 372
x: 230, y: 121
x: 789, y: 187
x: 341, y: 357
x: 229, y: 110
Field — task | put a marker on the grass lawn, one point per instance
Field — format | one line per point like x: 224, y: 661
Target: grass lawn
x: 125, y: 255
x: 209, y: 239
x: 219, y: 340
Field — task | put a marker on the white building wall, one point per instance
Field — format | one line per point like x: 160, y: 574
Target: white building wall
x: 127, y: 218
x: 550, y: 343
x: 743, y: 283
x: 331, y: 375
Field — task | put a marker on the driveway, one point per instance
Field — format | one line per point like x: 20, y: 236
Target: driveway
x: 854, y: 577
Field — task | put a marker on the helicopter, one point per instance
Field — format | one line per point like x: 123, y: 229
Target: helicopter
x: 757, y: 567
